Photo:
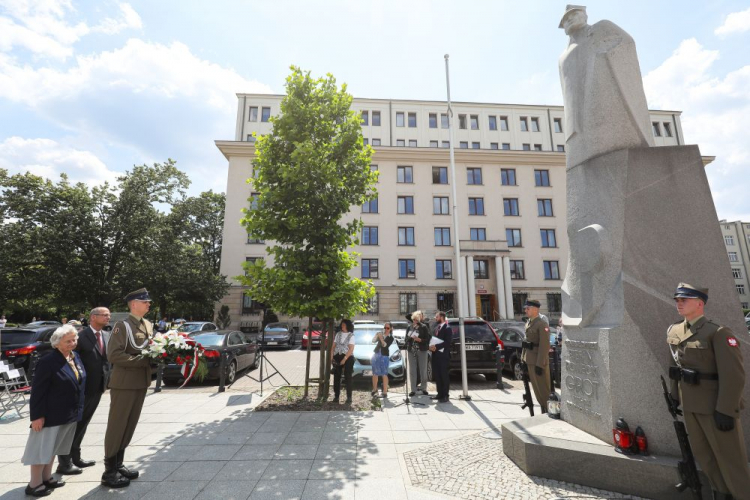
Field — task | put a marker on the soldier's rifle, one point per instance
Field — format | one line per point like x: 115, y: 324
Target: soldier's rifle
x: 687, y: 467
x: 527, y: 401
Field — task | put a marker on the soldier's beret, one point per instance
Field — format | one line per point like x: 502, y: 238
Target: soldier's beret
x: 532, y: 303
x: 687, y: 291
x: 140, y: 294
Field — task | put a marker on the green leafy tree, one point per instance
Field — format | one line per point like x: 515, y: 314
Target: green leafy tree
x: 309, y: 172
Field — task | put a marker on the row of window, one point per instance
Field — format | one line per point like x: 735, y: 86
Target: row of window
x: 370, y: 236
x: 440, y: 206
x: 412, y: 143
x: 405, y: 175
x: 409, y: 119
x: 407, y: 269
x: 657, y: 128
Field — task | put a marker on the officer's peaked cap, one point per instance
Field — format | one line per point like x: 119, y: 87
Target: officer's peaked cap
x: 140, y: 294
x: 687, y: 291
x: 569, y: 9
x: 533, y: 303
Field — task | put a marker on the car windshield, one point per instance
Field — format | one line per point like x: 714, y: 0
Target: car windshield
x: 190, y: 327
x: 208, y: 339
x: 475, y: 332
x: 37, y: 324
x: 276, y: 329
x: 399, y: 325
x: 363, y: 336
x: 17, y: 336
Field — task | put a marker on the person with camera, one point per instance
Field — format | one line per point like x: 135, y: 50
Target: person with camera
x: 417, y: 344
x: 381, y: 358
x: 342, y: 359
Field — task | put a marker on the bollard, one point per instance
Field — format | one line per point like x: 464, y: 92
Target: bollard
x: 499, y: 363
x: 222, y: 371
x: 159, y: 376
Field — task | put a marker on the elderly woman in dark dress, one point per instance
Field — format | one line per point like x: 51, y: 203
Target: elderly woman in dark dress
x: 57, y: 395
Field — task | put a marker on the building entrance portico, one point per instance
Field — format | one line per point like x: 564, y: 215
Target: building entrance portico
x: 489, y: 291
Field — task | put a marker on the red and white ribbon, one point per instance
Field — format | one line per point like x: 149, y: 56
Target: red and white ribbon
x: 192, y: 372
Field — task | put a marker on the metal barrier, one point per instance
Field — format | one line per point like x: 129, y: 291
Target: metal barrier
x: 499, y: 364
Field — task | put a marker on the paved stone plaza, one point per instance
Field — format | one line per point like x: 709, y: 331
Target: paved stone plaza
x: 196, y: 443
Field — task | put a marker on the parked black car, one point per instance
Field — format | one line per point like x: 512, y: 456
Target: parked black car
x: 512, y: 333
x: 481, y: 347
x: 280, y: 334
x: 241, y: 352
x: 21, y: 345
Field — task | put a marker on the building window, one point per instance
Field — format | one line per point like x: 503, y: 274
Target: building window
x: 513, y: 237
x: 251, y: 138
x: 551, y: 270
x: 519, y: 299
x: 544, y: 207
x: 481, y: 271
x: 476, y: 206
x: 516, y: 270
x: 373, y: 168
x: 474, y: 122
x: 406, y: 268
x: 657, y: 129
x: 508, y: 176
x: 473, y: 176
x: 740, y: 289
x: 265, y: 114
x: 729, y: 240
x: 510, y: 206
x: 737, y: 273
x: 445, y: 303
x: 526, y: 147
x: 440, y: 175
x: 400, y: 119
x: 506, y: 146
x: 744, y: 305
x: 365, y: 118
x: 254, y: 241
x: 554, y: 302
x: 524, y: 124
x: 406, y: 236
x: 372, y: 304
x: 541, y: 177
x: 370, y: 207
x: 463, y: 145
x: 404, y: 175
x: 433, y: 144
x: 412, y: 120
x: 433, y: 120
x: 375, y: 142
x: 504, y: 123
x: 442, y: 237
x: 548, y: 238
x: 370, y: 268
x: 560, y: 148
x: 412, y: 143
x: 405, y: 204
x: 535, y: 124
x: 493, y: 122
x: 370, y: 235
x: 462, y: 121
x: 440, y: 205
x: 478, y: 234
x: 558, y: 125
x: 493, y: 145
x: 537, y: 147
x: 407, y: 303
x: 474, y: 145
x: 400, y: 142
x: 443, y: 270
x: 365, y: 142
x: 667, y: 129
x: 253, y: 115
x: 250, y: 261
x: 376, y: 119
x: 733, y: 257
x: 445, y: 144
x: 443, y: 120
x: 250, y: 306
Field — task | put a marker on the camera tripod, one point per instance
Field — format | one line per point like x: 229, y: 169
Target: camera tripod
x: 263, y: 360
x: 406, y: 400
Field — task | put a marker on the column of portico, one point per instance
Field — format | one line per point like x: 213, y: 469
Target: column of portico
x: 508, y: 288
x: 471, y: 290
x: 500, y: 285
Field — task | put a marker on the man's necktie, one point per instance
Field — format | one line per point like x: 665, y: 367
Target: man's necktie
x: 99, y: 342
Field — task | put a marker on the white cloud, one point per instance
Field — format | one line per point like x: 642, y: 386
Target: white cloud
x: 736, y: 22
x: 716, y: 116
x: 48, y: 158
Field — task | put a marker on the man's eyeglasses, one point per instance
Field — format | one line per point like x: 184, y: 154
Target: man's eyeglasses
x: 387, y: 327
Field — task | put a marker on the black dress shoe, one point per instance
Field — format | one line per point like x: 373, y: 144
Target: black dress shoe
x: 39, y: 491
x: 443, y: 400
x: 424, y: 393
x: 412, y: 394
x: 125, y: 472
x: 434, y: 397
x: 348, y: 401
x: 79, y: 462
x: 67, y: 468
x: 53, y: 483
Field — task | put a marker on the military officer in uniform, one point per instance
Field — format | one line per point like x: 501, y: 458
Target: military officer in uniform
x: 708, y: 377
x: 536, y: 352
x: 129, y: 380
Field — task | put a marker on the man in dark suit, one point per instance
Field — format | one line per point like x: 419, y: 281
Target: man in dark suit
x: 92, y: 350
x: 441, y: 357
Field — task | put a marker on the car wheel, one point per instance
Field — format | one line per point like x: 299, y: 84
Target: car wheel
x: 231, y: 372
x: 255, y: 361
x: 517, y: 371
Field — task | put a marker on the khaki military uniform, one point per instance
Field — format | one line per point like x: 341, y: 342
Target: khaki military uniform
x: 713, y: 351
x: 537, y: 332
x: 129, y: 379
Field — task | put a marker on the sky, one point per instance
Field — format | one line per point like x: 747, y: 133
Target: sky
x: 92, y: 88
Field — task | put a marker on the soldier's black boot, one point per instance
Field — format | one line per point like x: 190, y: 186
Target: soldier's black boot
x: 78, y: 461
x: 65, y: 466
x: 124, y: 471
x: 111, y: 477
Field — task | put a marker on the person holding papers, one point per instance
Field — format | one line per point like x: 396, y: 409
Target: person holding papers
x: 417, y: 342
x: 441, y: 356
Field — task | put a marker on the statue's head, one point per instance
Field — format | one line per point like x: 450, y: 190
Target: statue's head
x: 573, y: 19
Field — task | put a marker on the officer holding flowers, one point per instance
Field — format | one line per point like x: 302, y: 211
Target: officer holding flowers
x: 128, y: 383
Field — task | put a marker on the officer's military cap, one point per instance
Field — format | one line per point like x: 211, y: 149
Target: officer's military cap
x: 140, y: 294
x: 569, y: 9
x: 532, y: 303
x: 687, y: 291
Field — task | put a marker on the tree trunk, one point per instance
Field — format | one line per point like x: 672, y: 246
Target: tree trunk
x: 322, y: 367
x: 309, y: 350
x: 329, y: 343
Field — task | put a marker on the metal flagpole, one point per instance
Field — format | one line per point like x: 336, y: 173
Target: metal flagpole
x: 457, y: 246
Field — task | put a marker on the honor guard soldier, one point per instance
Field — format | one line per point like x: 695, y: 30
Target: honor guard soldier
x: 129, y: 379
x: 536, y: 352
x: 708, y: 377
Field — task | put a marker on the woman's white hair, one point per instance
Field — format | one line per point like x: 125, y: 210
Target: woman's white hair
x: 417, y: 314
x: 62, y: 332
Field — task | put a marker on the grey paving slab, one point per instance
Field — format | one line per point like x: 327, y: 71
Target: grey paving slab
x: 150, y: 471
x: 304, y: 437
x: 256, y: 452
x: 373, y: 450
x: 338, y: 451
x: 8, y: 455
x: 154, y: 439
x: 227, y: 490
x: 333, y: 469
x: 339, y: 436
x: 196, y: 471
x: 210, y: 439
x: 180, y: 490
x: 137, y: 490
x: 336, y: 489
x: 411, y: 436
x: 378, y: 468
x: 287, y: 469
x: 261, y: 437
x: 242, y: 470
x: 375, y: 489
x: 278, y: 490
x: 212, y: 452
x: 296, y: 451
